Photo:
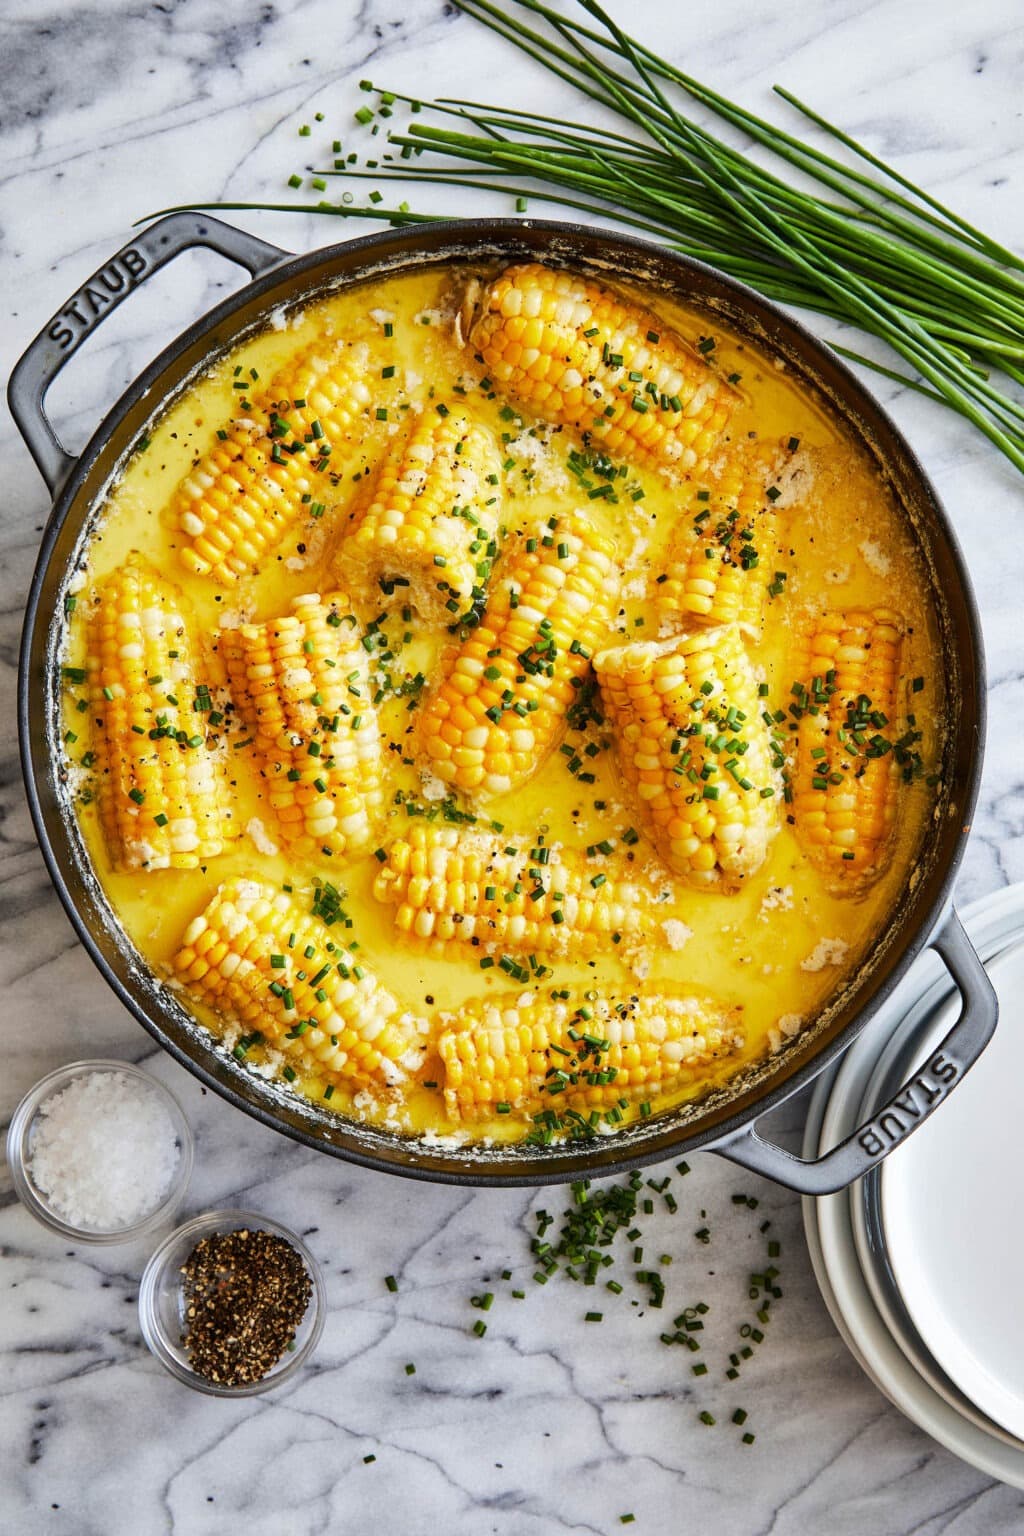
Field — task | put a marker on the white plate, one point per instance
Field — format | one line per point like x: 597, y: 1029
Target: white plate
x: 951, y: 1201
x: 827, y: 1221
x: 810, y: 1148
x: 931, y: 1016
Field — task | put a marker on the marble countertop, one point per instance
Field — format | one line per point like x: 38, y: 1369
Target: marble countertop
x: 548, y: 1424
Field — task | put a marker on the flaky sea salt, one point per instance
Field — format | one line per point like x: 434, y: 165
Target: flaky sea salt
x: 825, y: 952
x: 676, y: 932
x: 104, y: 1151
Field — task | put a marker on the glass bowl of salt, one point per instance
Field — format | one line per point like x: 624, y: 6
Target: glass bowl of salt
x: 100, y: 1151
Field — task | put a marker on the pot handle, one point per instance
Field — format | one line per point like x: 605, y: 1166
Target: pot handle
x: 905, y: 1111
x: 61, y: 337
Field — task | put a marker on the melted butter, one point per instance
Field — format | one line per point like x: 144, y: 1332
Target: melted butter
x: 843, y: 544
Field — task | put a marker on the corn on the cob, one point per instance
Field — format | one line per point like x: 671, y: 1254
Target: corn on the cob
x: 163, y: 794
x: 302, y: 689
x: 693, y: 746
x: 426, y: 518
x: 721, y: 565
x: 272, y: 464
x: 452, y: 888
x: 263, y: 963
x: 505, y: 691
x: 846, y: 776
x: 524, y: 1053
x: 577, y: 354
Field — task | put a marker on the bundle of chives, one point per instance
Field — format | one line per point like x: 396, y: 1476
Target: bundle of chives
x: 946, y: 298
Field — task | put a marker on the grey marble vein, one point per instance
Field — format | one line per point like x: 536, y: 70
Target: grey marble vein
x: 548, y: 1426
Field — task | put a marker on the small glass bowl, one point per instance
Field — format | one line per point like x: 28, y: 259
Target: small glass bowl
x: 162, y: 1302
x: 19, y: 1148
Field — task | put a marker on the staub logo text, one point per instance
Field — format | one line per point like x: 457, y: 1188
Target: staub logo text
x: 909, y: 1106
x: 108, y: 287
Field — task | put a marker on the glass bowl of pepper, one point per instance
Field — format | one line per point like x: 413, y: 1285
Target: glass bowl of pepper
x: 232, y: 1303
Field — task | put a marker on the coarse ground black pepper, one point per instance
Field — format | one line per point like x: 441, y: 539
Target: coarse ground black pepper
x: 246, y: 1292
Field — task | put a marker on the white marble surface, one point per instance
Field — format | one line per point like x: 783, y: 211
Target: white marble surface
x: 111, y: 109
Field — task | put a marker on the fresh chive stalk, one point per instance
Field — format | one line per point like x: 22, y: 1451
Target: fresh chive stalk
x: 866, y: 247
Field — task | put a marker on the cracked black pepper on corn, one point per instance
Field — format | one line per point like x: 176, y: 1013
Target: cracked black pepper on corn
x: 245, y: 1294
x: 522, y: 716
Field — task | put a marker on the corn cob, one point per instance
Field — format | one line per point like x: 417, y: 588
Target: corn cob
x: 263, y: 963
x: 452, y: 888
x: 721, y: 564
x: 427, y: 517
x: 271, y: 465
x: 693, y: 745
x: 846, y: 773
x: 570, y: 351
x: 505, y: 691
x: 302, y: 689
x: 524, y: 1053
x: 163, y: 794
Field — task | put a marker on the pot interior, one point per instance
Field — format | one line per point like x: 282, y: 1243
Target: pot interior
x: 295, y: 285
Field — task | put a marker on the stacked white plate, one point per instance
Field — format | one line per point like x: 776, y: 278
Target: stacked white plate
x: 920, y: 1262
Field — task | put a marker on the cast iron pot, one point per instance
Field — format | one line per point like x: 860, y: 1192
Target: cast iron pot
x: 923, y: 916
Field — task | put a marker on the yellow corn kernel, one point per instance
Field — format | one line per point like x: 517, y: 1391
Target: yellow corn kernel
x: 721, y: 562
x: 505, y: 690
x: 302, y: 689
x: 528, y: 1053
x: 426, y: 518
x: 161, y: 783
x: 270, y: 466
x: 563, y: 348
x: 451, y: 888
x: 845, y: 782
x: 694, y: 749
x: 242, y: 957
